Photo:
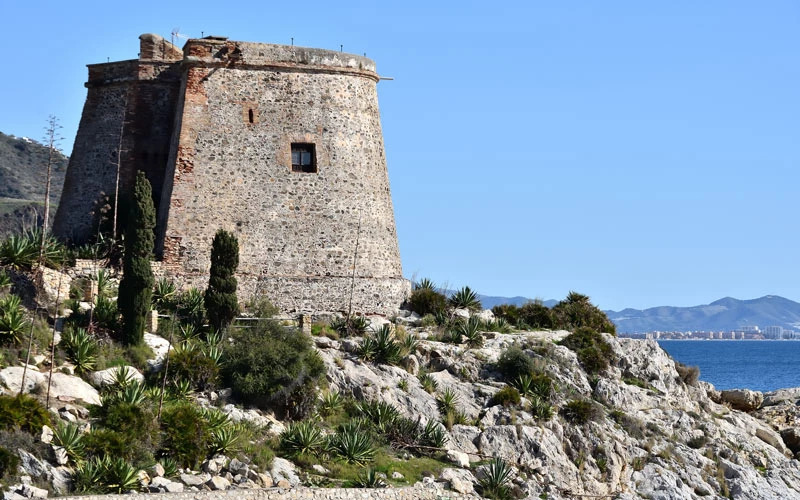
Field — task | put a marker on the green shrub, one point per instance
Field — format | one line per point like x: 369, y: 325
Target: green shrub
x: 688, y: 374
x: 186, y: 436
x: 382, y: 347
x: 541, y: 409
x: 536, y: 315
x: 425, y: 301
x: 274, y: 367
x: 576, y: 311
x: 190, y: 361
x: 470, y: 331
x: 465, y: 298
x: 508, y: 312
x: 106, y: 443
x: 23, y: 412
x: 580, y: 411
x: 350, y: 326
x: 261, y: 307
x: 369, y: 478
x: 594, y: 353
x: 513, y: 362
x: 69, y: 437
x: 131, y: 419
x: 8, y: 462
x: 329, y: 403
x: 697, y: 442
x: 507, y: 396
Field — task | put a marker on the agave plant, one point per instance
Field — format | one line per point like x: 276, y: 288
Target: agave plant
x: 541, y: 409
x: 13, y: 322
x: 425, y: 284
x: 5, y: 282
x: 471, y: 331
x: 434, y: 435
x: 106, y: 313
x: 80, y: 348
x: 120, y: 476
x: 122, y: 377
x: 387, y: 349
x: 21, y: 251
x: 302, y: 438
x: 225, y: 440
x: 105, y: 287
x: 134, y: 393
x: 88, y: 475
x: 368, y: 349
x: 409, y: 345
x: 465, y: 298
x: 69, y: 437
x: 164, y: 295
x: 189, y: 331
x: 191, y: 307
x: 329, y: 402
x: 352, y: 444
x: 215, y: 418
x: 182, y: 389
x: 429, y: 383
x: 170, y: 466
x: 369, y: 478
x: 354, y: 325
x: 380, y: 413
x: 494, y: 483
x: 447, y: 401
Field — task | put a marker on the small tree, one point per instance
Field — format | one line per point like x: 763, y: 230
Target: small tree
x: 136, y: 286
x: 220, y: 299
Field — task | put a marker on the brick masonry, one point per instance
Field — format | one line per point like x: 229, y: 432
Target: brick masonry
x: 212, y: 127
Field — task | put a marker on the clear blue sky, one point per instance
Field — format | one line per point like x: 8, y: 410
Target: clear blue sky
x: 643, y: 153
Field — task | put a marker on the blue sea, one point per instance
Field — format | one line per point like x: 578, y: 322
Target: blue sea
x: 760, y: 365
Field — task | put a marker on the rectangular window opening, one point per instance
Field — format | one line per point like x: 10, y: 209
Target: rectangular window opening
x: 304, y: 157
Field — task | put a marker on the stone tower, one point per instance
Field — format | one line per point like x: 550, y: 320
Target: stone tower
x: 280, y: 145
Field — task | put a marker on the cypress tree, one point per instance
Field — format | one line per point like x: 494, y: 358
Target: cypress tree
x: 220, y: 299
x: 136, y: 286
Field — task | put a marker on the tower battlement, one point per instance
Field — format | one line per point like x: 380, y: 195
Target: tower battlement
x: 280, y: 145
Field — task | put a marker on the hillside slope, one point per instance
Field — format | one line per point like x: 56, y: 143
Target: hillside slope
x: 23, y: 165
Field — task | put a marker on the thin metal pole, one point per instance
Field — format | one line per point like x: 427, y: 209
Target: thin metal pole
x: 166, y: 368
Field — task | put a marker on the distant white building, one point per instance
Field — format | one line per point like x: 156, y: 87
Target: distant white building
x: 773, y: 332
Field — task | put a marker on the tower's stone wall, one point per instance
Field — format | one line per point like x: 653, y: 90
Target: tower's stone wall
x: 130, y: 109
x: 308, y: 240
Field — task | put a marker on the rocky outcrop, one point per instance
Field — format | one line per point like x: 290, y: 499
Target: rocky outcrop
x: 652, y: 436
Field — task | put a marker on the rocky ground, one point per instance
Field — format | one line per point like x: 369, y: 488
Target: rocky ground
x: 649, y: 435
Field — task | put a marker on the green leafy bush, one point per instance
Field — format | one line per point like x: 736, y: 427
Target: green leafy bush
x: 513, y: 362
x: 594, y: 353
x: 190, y: 308
x: 539, y: 385
x: 428, y: 383
x: 274, y: 367
x: 576, y: 311
x: 8, y: 462
x: 470, y: 331
x: 350, y: 326
x: 352, y: 444
x: 23, y: 412
x: 186, y: 436
x: 537, y: 315
x: 191, y: 361
x: 382, y: 347
x: 581, y: 411
x: 425, y: 301
x: 507, y: 396
x: 165, y: 295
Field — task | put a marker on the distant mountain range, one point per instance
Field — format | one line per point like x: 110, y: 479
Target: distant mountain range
x: 722, y: 315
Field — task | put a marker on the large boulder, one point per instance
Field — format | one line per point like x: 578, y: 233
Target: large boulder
x: 11, y: 379
x: 743, y: 399
x: 70, y: 387
x: 160, y: 347
x: 283, y: 469
x: 108, y: 376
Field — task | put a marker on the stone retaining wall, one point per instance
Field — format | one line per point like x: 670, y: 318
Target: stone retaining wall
x: 296, y: 493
